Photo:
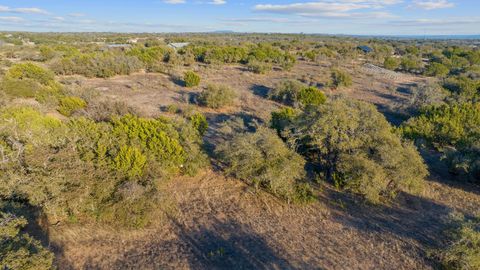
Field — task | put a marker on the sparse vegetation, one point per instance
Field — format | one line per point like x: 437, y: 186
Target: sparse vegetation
x: 121, y: 164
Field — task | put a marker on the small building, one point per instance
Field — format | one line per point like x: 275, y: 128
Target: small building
x: 121, y: 46
x: 365, y: 49
x: 133, y: 41
x: 178, y: 45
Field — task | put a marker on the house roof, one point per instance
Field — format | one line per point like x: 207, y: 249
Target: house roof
x: 365, y: 48
x: 178, y: 45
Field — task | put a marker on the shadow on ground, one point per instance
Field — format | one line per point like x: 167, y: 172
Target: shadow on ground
x: 260, y: 90
x: 419, y: 222
x: 220, y: 245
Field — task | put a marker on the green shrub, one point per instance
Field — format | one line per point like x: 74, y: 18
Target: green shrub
x: 191, y: 79
x: 411, y: 64
x: 437, y: 70
x: 295, y: 93
x: 150, y: 56
x: 311, y: 55
x: 28, y: 80
x: 340, y: 78
x: 29, y: 125
x: 311, y: 96
x: 259, y: 67
x: 456, y: 124
x: 69, y: 105
x: 427, y: 95
x: 100, y: 65
x: 463, y: 251
x: 282, y: 118
x: 353, y: 145
x: 30, y: 71
x: 19, y: 250
x: 391, y: 63
x: 217, y: 96
x: 104, y: 171
x: 286, y: 92
x: 130, y: 161
x: 199, y: 122
x: 465, y: 160
x: 20, y: 88
x: 263, y: 160
x: 465, y: 89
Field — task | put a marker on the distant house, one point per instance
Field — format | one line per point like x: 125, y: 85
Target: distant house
x: 365, y: 49
x: 121, y: 46
x: 133, y: 41
x: 178, y: 45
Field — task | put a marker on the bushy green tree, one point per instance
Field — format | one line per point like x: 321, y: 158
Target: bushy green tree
x: 355, y: 147
x: 286, y: 91
x: 454, y: 128
x: 295, y: 93
x: 263, y: 160
x: 463, y: 88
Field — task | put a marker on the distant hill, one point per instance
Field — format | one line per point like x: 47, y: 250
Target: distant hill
x: 223, y: 32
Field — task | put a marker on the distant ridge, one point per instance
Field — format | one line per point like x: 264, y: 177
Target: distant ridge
x: 223, y: 32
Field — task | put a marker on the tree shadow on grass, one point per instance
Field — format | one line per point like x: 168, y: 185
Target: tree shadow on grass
x: 178, y: 81
x: 217, y: 245
x: 260, y: 90
x: 37, y: 226
x: 418, y: 222
x: 440, y: 172
x: 222, y: 127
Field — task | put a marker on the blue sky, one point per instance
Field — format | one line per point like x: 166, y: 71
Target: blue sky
x: 370, y: 17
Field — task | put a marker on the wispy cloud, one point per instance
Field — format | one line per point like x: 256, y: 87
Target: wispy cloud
x: 432, y: 4
x: 12, y: 19
x: 174, y: 2
x: 218, y: 2
x: 24, y: 10
x: 437, y: 22
x: 332, y: 9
